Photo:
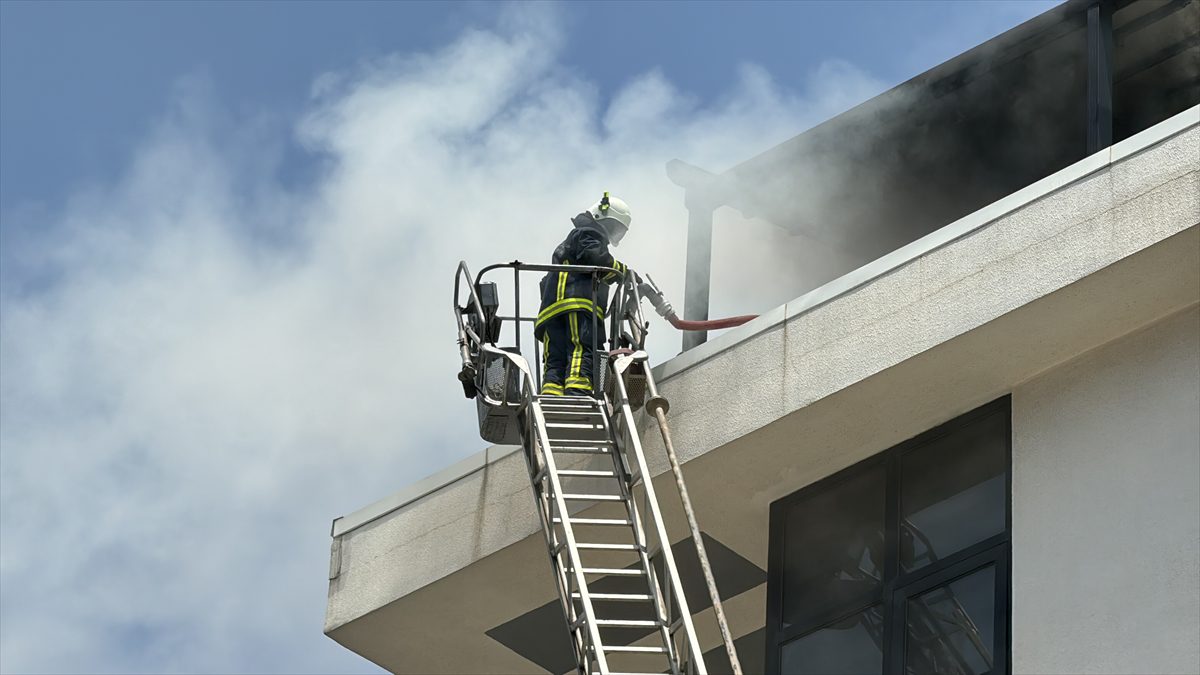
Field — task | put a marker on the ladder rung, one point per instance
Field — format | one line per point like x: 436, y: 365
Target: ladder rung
x: 634, y: 649
x: 608, y: 547
x: 555, y: 442
x: 575, y: 425
x: 616, y: 572
x: 577, y: 411
x: 595, y: 448
x: 572, y: 401
x: 594, y: 521
x: 548, y: 410
x: 588, y: 473
x: 596, y: 672
x: 616, y: 597
x: 626, y: 623
x: 592, y: 498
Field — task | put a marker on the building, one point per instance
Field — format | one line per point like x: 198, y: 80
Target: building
x: 975, y: 448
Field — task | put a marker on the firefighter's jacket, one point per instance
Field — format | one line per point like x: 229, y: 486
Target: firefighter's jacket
x: 562, y: 292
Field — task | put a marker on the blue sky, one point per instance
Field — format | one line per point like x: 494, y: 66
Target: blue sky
x: 82, y: 79
x: 226, y: 238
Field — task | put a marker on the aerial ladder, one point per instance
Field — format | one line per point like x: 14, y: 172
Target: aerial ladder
x: 617, y: 578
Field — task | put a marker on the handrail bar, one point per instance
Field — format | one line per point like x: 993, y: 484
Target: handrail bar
x: 695, y: 655
x: 537, y: 267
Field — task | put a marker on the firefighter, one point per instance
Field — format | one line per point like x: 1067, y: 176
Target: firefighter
x: 565, y: 319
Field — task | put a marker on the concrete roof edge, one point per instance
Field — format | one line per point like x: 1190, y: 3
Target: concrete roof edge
x: 944, y: 236
x: 422, y: 488
x: 807, y: 302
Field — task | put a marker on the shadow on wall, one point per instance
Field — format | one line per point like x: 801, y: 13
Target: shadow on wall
x: 527, y: 633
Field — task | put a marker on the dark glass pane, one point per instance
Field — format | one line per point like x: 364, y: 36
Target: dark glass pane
x: 833, y: 547
x: 950, y: 629
x: 1156, y: 55
x: 952, y: 492
x: 851, y: 646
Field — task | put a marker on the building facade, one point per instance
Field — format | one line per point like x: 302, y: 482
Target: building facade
x: 975, y: 450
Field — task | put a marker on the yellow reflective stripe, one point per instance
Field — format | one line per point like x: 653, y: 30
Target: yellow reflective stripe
x: 573, y: 322
x: 545, y: 354
x: 568, y: 305
x: 575, y: 379
x: 556, y: 309
x: 551, y: 389
x: 619, y: 267
x: 577, y: 353
x: 562, y: 282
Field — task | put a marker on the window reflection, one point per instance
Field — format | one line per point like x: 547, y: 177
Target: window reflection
x: 890, y: 538
x: 850, y: 646
x: 953, y: 492
x: 950, y: 630
x: 834, y: 547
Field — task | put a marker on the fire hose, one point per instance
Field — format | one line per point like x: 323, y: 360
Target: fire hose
x: 711, y: 324
x: 651, y: 292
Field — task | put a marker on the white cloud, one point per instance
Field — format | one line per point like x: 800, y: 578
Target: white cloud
x: 209, y: 367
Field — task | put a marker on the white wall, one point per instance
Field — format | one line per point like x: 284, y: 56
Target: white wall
x: 1106, y: 508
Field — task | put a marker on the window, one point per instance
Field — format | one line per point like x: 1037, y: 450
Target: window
x: 898, y: 564
x: 1155, y: 57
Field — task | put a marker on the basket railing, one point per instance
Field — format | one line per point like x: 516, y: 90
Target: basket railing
x: 506, y: 388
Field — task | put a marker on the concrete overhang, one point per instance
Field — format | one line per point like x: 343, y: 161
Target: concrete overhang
x: 437, y: 578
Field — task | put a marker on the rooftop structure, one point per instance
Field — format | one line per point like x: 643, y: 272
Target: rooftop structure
x: 952, y: 140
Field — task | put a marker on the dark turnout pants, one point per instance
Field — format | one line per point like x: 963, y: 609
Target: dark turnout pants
x: 567, y: 348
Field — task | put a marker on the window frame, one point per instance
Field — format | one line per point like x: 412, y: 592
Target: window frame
x: 898, y: 586
x: 998, y: 557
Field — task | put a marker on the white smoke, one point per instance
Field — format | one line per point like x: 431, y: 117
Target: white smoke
x: 201, y: 367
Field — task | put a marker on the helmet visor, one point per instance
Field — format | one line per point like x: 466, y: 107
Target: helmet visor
x: 616, y: 230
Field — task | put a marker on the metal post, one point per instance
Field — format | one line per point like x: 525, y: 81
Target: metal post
x: 595, y: 378
x: 517, y: 307
x: 1099, y: 75
x: 699, y: 267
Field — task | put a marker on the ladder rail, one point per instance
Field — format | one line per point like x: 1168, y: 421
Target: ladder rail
x: 545, y: 513
x: 662, y: 607
x: 662, y: 592
x: 593, y: 631
x: 659, y: 406
x: 634, y: 447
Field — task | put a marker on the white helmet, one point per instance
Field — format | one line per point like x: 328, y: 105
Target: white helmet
x: 612, y: 214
